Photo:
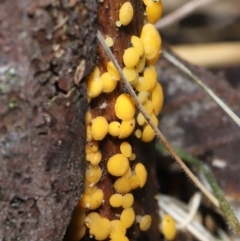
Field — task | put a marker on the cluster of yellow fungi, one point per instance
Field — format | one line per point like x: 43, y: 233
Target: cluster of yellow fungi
x: 139, y: 70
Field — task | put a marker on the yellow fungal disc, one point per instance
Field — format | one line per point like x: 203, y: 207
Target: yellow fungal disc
x: 114, y: 128
x: 109, y: 41
x: 91, y: 219
x: 157, y: 98
x: 141, y: 64
x: 117, y: 165
x: 132, y: 157
x: 128, y: 174
x: 126, y: 13
x: 93, y: 174
x: 154, y: 11
x: 148, y: 106
x: 141, y: 119
x: 150, y: 74
x: 127, y: 217
x: 122, y: 185
x: 134, y: 182
x: 127, y: 128
x: 154, y: 118
x: 142, y: 96
x: 148, y: 134
x: 89, y: 187
x: 109, y: 84
x: 91, y: 146
x: 124, y: 107
x: 137, y: 44
x: 94, y: 87
x: 128, y: 200
x: 123, y: 238
x: 117, y: 230
x: 116, y: 200
x: 145, y: 222
x: 92, y: 201
x: 113, y: 71
x: 142, y: 84
x: 118, y: 24
x: 141, y: 173
x: 138, y: 133
x: 95, y: 73
x: 94, y: 157
x: 168, y: 227
x: 88, y: 117
x: 126, y: 149
x: 99, y: 128
x: 131, y: 57
x: 131, y: 75
x: 89, y: 133
x: 100, y: 228
x: 151, y: 42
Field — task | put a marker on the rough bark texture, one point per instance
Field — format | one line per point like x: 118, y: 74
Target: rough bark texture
x: 44, y: 46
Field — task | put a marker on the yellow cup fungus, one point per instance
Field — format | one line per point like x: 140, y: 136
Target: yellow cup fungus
x: 124, y: 107
x: 148, y: 134
x: 128, y: 174
x: 131, y: 57
x: 151, y: 42
x: 98, y: 227
x: 114, y: 128
x: 116, y: 200
x: 142, y: 84
x: 168, y: 227
x: 94, y: 87
x: 109, y: 84
x: 138, y: 133
x: 137, y: 44
x: 141, y: 119
x: 122, y: 185
x: 93, y: 174
x: 113, y: 71
x: 142, y: 96
x: 109, y: 41
x: 150, y: 74
x: 128, y: 200
x: 134, y: 182
x: 94, y: 158
x: 127, y: 217
x: 117, y: 165
x: 157, y: 98
x: 92, y: 201
x: 89, y: 188
x: 145, y: 222
x: 141, y: 173
x: 132, y: 157
x: 88, y: 117
x: 154, y: 11
x: 126, y: 149
x: 118, y: 230
x: 141, y: 64
x: 126, y: 13
x: 127, y: 128
x: 99, y: 128
x: 131, y: 75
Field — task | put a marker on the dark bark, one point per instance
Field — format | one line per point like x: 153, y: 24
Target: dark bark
x: 45, y: 46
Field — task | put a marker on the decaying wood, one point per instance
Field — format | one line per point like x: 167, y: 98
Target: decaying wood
x: 42, y: 125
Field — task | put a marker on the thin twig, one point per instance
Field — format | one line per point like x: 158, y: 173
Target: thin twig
x: 181, y: 12
x: 180, y: 66
x: 155, y: 128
